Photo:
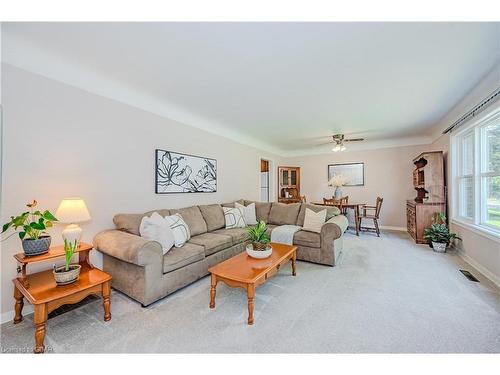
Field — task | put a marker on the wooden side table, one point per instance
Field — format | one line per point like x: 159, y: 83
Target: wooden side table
x: 41, y: 290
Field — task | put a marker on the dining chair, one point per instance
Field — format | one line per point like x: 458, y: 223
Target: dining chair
x: 334, y: 202
x: 373, y: 213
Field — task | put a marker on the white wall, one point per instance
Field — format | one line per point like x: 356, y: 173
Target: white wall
x: 60, y: 141
x: 387, y: 174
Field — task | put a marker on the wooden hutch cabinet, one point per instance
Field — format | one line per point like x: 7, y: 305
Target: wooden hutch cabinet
x: 429, y: 183
x: 288, y: 184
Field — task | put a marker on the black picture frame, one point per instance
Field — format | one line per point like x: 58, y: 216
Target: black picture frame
x: 191, y: 188
x: 362, y: 165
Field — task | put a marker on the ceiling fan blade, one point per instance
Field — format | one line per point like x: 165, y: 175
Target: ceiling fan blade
x: 354, y: 140
x: 327, y: 143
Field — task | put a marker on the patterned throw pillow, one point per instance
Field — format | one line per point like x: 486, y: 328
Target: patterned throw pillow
x: 156, y: 228
x: 314, y: 220
x: 234, y: 218
x: 179, y: 228
x: 248, y: 213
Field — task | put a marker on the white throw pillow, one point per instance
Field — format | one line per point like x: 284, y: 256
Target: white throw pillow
x: 156, y: 228
x: 248, y: 213
x: 313, y: 221
x: 234, y: 218
x: 179, y: 228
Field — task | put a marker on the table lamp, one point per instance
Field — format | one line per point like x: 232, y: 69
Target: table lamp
x: 72, y: 211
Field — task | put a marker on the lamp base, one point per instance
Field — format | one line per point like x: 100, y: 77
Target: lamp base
x: 71, y: 233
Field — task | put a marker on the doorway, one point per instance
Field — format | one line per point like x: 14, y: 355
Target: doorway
x: 264, y: 181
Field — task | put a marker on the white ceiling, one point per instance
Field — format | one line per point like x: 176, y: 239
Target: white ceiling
x: 280, y: 86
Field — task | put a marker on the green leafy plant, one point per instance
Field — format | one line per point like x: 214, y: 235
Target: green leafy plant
x: 69, y: 251
x: 258, y: 235
x: 30, y: 224
x: 439, y: 231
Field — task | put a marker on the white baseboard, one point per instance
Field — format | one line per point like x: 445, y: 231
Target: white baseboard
x: 9, y: 315
x: 484, y: 271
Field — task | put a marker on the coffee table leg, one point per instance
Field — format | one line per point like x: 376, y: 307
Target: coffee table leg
x: 250, y: 295
x: 213, y: 286
x: 294, y: 263
x: 18, y: 296
x: 40, y: 319
x: 106, y: 300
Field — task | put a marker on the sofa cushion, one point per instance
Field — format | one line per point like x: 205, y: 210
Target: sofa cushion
x: 213, y: 215
x: 262, y: 209
x: 163, y: 212
x: 179, y: 228
x: 233, y: 218
x: 212, y: 242
x: 314, y: 221
x: 238, y: 235
x: 179, y: 257
x: 156, y: 228
x: 129, y: 223
x: 248, y: 213
x: 231, y: 204
x: 330, y: 212
x: 193, y: 218
x: 282, y: 214
x: 309, y: 239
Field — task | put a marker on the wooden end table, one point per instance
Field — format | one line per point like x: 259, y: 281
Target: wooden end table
x: 243, y: 271
x: 41, y: 290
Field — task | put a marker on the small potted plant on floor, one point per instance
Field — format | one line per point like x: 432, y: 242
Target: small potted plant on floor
x: 438, y: 234
x: 260, y: 247
x: 68, y: 273
x: 31, y: 226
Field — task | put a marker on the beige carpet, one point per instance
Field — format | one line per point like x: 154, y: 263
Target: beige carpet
x: 387, y: 295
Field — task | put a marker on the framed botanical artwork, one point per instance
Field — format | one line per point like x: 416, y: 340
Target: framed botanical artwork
x: 354, y: 173
x: 183, y: 173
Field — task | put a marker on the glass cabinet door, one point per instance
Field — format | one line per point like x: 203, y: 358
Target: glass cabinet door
x: 293, y: 177
x: 284, y: 178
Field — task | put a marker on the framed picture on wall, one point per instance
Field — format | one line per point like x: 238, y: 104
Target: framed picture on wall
x: 183, y: 173
x: 353, y: 172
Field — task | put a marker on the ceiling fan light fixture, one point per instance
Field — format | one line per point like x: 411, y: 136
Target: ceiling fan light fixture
x: 342, y: 148
x: 336, y: 148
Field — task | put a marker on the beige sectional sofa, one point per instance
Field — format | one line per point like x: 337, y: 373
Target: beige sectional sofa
x: 141, y: 271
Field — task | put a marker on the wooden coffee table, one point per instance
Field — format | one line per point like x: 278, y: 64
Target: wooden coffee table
x: 242, y: 271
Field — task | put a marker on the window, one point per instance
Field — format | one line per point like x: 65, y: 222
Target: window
x: 476, y: 166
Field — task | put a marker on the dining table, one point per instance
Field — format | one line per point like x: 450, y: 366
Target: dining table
x: 356, y: 207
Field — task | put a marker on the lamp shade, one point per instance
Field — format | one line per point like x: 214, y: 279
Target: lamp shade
x: 72, y: 210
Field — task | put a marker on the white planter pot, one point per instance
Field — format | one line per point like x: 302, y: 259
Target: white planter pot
x: 63, y: 277
x: 439, y: 247
x: 259, y: 254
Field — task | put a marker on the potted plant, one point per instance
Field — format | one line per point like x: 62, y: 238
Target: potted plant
x: 68, y: 273
x: 337, y: 182
x: 260, y: 247
x: 438, y: 234
x: 31, y: 227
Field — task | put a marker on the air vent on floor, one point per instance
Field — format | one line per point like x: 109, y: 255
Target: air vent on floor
x: 469, y: 275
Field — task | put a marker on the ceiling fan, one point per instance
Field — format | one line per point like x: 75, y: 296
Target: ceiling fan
x: 339, y: 139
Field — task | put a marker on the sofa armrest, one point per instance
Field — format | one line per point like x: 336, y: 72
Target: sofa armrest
x: 128, y: 247
x: 330, y: 231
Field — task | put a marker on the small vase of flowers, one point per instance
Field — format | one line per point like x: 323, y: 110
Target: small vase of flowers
x: 337, y: 181
x: 438, y: 234
x: 260, y: 247
x: 31, y: 227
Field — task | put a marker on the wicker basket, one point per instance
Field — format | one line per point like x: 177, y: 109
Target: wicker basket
x: 259, y: 246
